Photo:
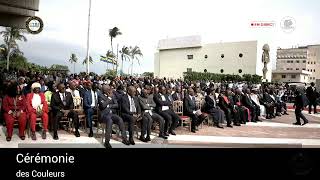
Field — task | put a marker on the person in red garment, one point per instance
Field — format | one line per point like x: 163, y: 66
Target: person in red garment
x: 37, y: 106
x: 14, y: 107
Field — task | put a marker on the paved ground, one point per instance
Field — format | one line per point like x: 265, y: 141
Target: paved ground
x: 278, y: 133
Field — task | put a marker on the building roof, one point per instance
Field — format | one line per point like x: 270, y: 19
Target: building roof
x: 180, y: 42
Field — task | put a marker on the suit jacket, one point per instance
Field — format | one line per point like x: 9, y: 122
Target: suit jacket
x: 311, y: 94
x: 30, y: 109
x: 160, y: 103
x: 87, y: 99
x: 57, y: 104
x: 210, y: 104
x: 189, y: 105
x: 107, y: 105
x: 177, y: 96
x: 224, y: 105
x: 301, y: 101
x: 246, y: 101
x: 8, y: 104
x: 125, y: 105
x: 147, y: 103
x: 267, y: 98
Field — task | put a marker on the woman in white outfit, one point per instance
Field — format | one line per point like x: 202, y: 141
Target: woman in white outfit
x: 255, y: 98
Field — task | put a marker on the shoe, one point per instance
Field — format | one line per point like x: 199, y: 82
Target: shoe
x: 278, y: 114
x: 22, y: 138
x: 91, y: 133
x: 132, y: 141
x: 107, y: 145
x: 230, y: 126
x: 254, y: 121
x: 298, y: 124
x: 218, y: 126
x: 193, y: 131
x: 148, y: 139
x: 237, y: 124
x: 163, y: 136
x: 77, y: 134
x: 142, y: 139
x: 55, y: 136
x: 166, y: 134
x: 44, y: 135
x: 268, y: 117
x: 8, y: 139
x: 172, y: 133
x: 114, y: 132
x: 33, y: 136
x: 305, y: 123
x: 285, y: 113
x: 125, y: 142
x: 309, y: 112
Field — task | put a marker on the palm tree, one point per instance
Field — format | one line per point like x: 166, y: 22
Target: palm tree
x: 10, y: 36
x: 113, y: 33
x: 125, y: 55
x: 85, y: 61
x: 135, y: 54
x: 4, y: 52
x: 73, y: 60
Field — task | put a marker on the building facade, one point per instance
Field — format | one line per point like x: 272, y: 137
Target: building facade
x: 14, y: 13
x: 179, y: 55
x: 299, y: 64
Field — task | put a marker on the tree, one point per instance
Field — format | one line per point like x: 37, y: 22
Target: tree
x: 125, y: 55
x: 110, y: 57
x: 135, y: 54
x: 148, y: 74
x: 113, y: 33
x: 10, y: 36
x: 73, y: 60
x: 111, y: 73
x: 85, y: 61
x: 4, y: 52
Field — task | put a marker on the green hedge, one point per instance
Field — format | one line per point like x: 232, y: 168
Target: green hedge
x: 199, y: 76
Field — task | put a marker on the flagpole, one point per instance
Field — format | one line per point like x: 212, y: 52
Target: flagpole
x: 88, y: 38
x: 117, y: 59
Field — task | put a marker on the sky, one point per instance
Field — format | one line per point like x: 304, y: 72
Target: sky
x: 144, y: 23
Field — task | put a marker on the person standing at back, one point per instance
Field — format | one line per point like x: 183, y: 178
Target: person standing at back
x: 312, y: 96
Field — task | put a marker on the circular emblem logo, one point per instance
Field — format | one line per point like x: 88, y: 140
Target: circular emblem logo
x: 34, y: 25
x: 288, y: 24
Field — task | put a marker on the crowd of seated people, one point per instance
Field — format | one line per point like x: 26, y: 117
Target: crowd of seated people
x: 132, y: 100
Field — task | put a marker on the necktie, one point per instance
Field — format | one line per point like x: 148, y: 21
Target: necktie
x: 133, y: 107
x: 64, y: 99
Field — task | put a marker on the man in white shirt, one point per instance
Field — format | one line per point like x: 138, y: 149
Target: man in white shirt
x: 75, y: 94
x: 90, y: 102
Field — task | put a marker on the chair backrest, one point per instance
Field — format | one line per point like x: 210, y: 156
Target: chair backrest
x: 77, y: 105
x: 178, y: 107
x: 198, y: 105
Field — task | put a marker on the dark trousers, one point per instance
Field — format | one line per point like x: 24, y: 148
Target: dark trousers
x: 171, y: 120
x: 254, y: 112
x: 111, y: 119
x: 131, y: 121
x: 195, y: 120
x: 298, y: 112
x: 269, y: 110
x: 228, y: 112
x: 243, y: 114
x: 89, y: 114
x: 217, y: 114
x: 314, y: 104
x: 147, y: 121
x: 58, y: 116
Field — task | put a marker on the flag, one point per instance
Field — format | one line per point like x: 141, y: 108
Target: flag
x: 108, y: 60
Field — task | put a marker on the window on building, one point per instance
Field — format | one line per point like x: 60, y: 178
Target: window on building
x: 206, y: 56
x: 288, y: 61
x: 288, y: 69
x: 189, y: 69
x: 240, y: 71
x: 297, y: 69
x: 222, y: 71
x: 205, y: 70
x: 314, y: 70
x: 222, y: 55
x: 293, y: 76
x: 304, y: 69
x: 311, y: 62
x: 314, y: 62
x: 304, y: 61
x: 308, y: 62
x: 240, y: 55
x: 297, y: 61
x: 190, y: 57
x: 291, y: 61
x: 283, y: 76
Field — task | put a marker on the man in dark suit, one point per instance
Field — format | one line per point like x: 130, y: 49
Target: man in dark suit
x: 227, y: 107
x: 269, y: 104
x: 190, y: 109
x: 300, y: 102
x: 251, y: 105
x: 62, y: 105
x: 90, y: 102
x: 130, y: 110
x: 148, y: 115
x: 108, y: 105
x: 163, y: 109
x: 312, y: 96
x: 177, y: 95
